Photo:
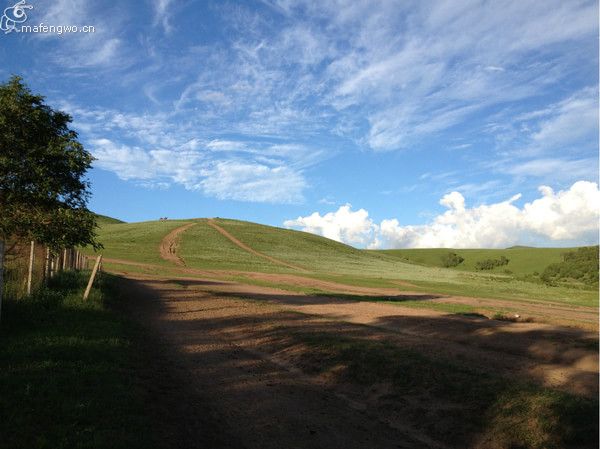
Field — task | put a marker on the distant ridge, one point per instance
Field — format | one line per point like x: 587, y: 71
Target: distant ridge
x: 105, y: 220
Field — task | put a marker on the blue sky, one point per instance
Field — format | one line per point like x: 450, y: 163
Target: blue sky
x: 377, y: 123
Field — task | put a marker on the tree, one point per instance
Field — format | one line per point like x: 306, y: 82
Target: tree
x: 451, y: 259
x: 43, y: 190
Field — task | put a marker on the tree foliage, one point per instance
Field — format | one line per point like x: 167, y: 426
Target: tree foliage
x: 43, y: 190
x: 581, y: 265
x: 451, y: 259
x: 490, y: 264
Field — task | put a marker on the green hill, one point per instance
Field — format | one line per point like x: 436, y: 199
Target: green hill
x: 137, y: 242
x: 104, y: 220
x: 202, y: 246
x: 522, y: 260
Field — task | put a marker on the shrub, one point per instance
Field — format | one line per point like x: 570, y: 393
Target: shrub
x: 580, y: 265
x: 451, y: 259
x: 490, y: 264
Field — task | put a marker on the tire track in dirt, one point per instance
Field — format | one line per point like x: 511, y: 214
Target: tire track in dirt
x: 170, y: 242
x: 250, y: 250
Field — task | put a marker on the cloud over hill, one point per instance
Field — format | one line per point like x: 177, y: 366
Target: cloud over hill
x: 554, y: 218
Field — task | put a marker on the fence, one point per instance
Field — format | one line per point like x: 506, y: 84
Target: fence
x: 29, y: 265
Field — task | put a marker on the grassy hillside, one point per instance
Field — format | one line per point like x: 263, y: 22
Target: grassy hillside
x: 136, y: 241
x: 103, y: 220
x: 523, y: 261
x: 330, y: 260
x: 320, y: 255
x: 203, y: 247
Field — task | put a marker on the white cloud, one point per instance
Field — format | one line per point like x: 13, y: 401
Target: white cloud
x: 162, y: 14
x: 126, y: 162
x: 448, y: 61
x: 169, y: 150
x: 99, y: 53
x: 344, y: 225
x: 103, y: 48
x: 382, y: 74
x: 242, y: 181
x: 566, y: 216
x: 227, y: 179
x: 225, y: 145
x: 571, y: 124
x: 135, y: 163
x: 555, y: 168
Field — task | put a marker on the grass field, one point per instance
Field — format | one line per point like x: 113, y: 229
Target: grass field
x: 103, y: 220
x: 203, y: 247
x: 64, y: 363
x: 523, y: 261
x: 135, y: 241
x: 329, y: 260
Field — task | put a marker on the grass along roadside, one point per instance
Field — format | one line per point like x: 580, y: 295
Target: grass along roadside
x: 75, y: 374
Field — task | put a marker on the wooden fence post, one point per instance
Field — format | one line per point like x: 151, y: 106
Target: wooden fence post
x: 47, y: 266
x: 30, y: 272
x: 1, y: 273
x: 91, y: 281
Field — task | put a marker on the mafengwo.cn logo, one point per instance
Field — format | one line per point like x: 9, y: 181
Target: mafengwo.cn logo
x: 14, y: 17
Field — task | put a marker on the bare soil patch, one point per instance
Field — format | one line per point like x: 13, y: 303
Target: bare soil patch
x: 169, y: 243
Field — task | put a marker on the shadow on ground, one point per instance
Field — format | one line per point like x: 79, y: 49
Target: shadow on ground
x: 273, y: 378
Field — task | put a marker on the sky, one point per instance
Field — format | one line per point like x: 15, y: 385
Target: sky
x: 381, y: 124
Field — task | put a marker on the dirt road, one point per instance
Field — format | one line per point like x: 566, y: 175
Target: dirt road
x: 553, y: 356
x: 170, y: 242
x: 238, y: 345
x: 250, y: 250
x: 256, y: 399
